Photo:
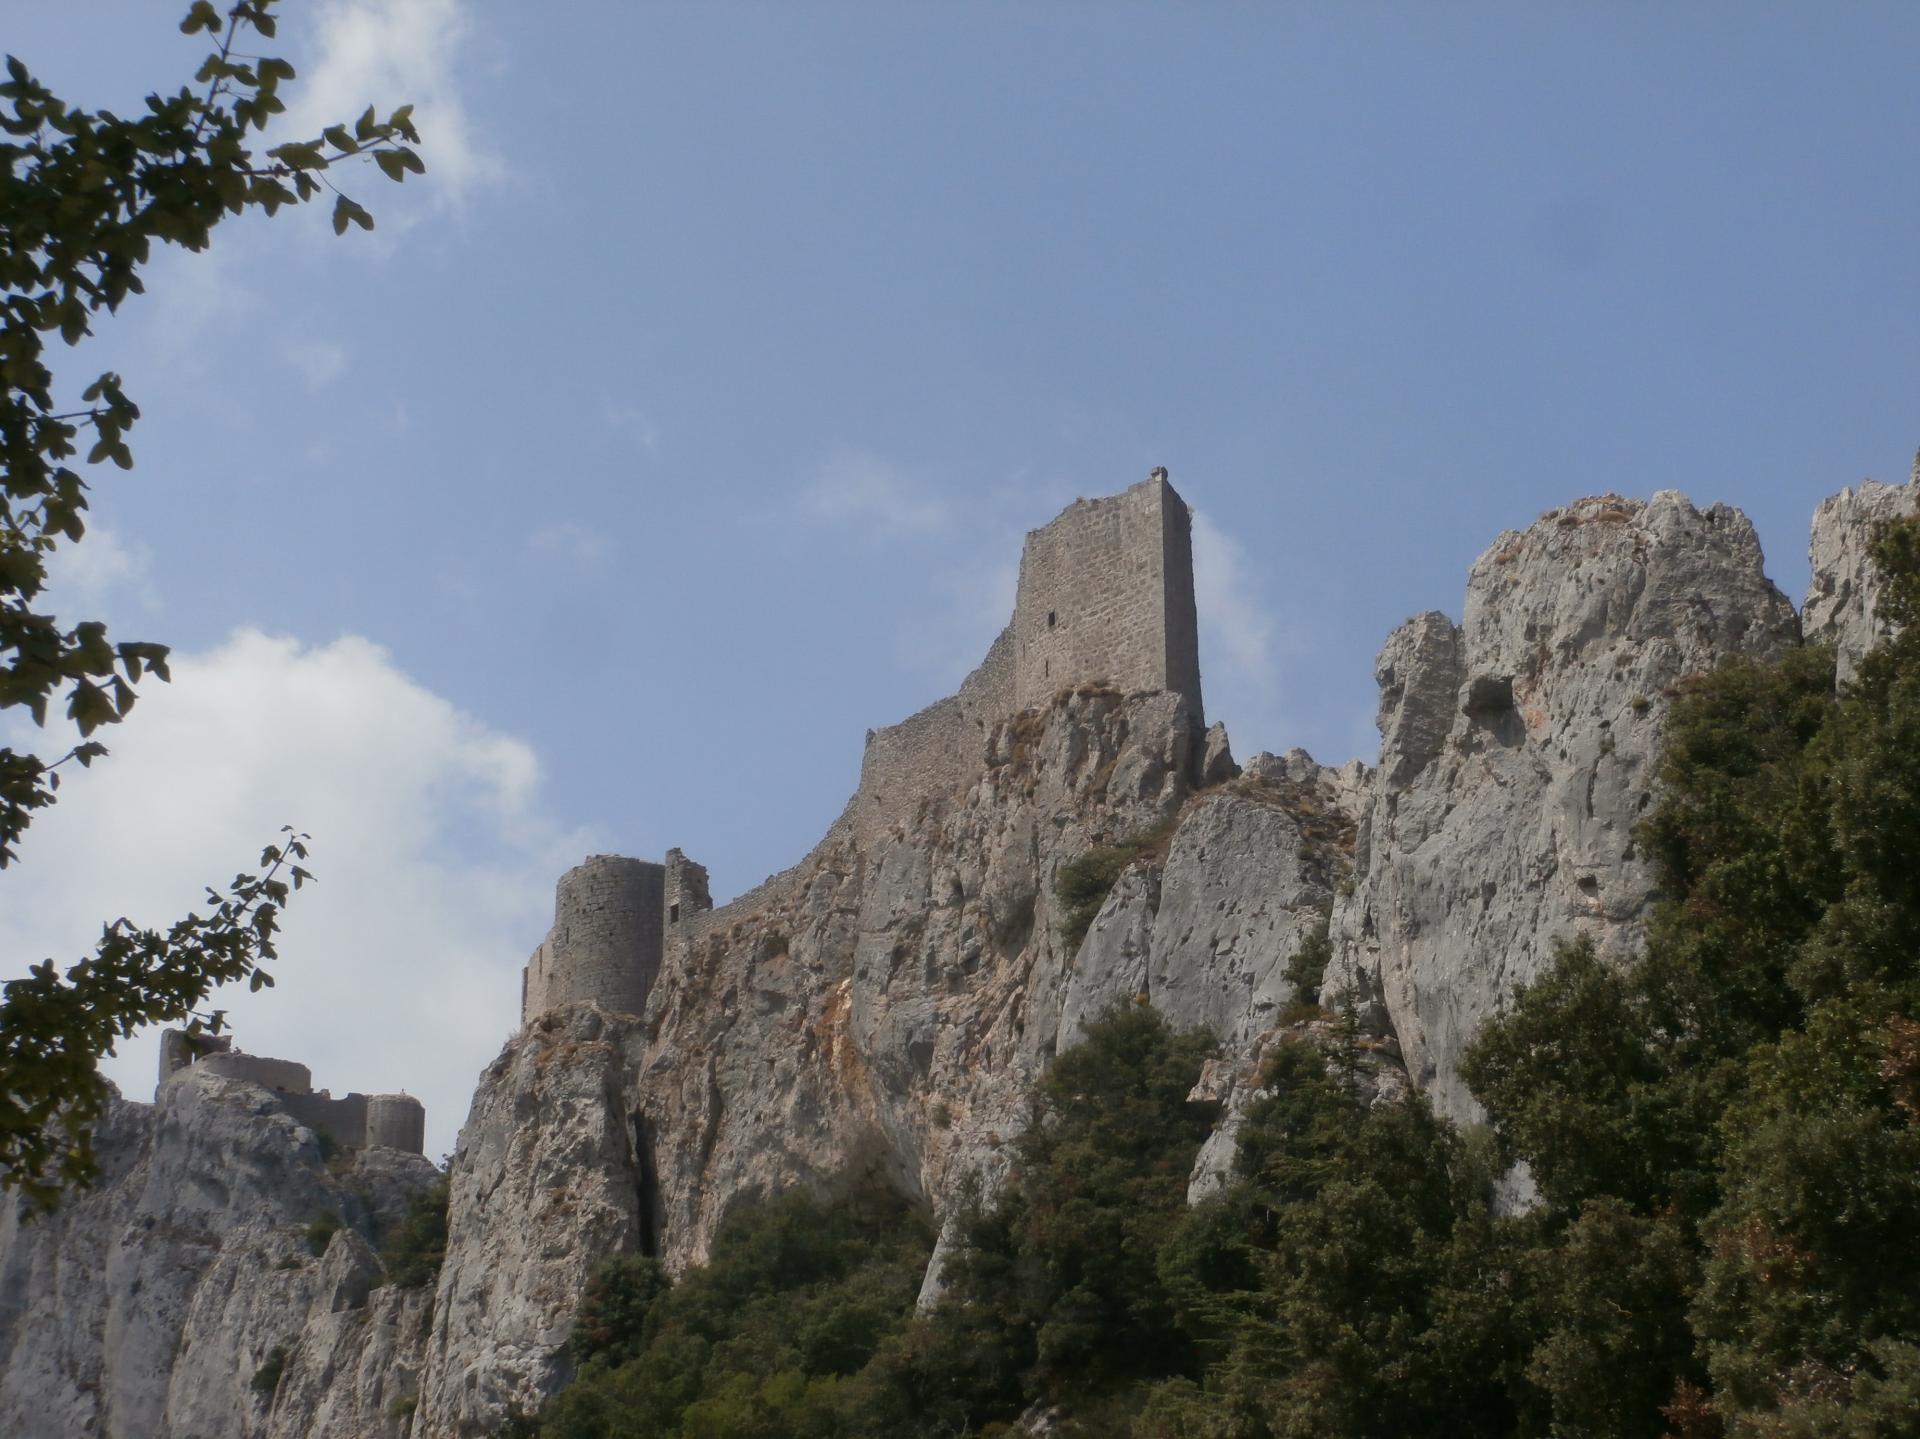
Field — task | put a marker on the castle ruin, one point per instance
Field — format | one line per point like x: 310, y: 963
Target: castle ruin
x: 356, y: 1121
x: 1105, y: 597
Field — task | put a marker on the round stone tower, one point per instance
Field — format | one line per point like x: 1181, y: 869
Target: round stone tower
x: 606, y: 937
x: 398, y: 1121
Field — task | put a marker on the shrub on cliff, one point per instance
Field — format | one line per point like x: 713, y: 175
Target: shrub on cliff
x: 1082, y: 884
x: 799, y: 1296
x: 417, y: 1245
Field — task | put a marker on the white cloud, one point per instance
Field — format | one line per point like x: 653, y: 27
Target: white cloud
x: 571, y: 543
x: 866, y: 493
x: 1240, y: 639
x: 1228, y: 608
x: 387, y: 53
x: 971, y: 603
x: 320, y: 362
x: 633, y: 422
x: 399, y: 969
x: 101, y: 577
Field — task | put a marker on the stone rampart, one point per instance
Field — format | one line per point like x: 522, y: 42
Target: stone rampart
x: 397, y: 1121
x: 774, y: 892
x: 343, y: 1120
x: 1105, y: 597
x: 280, y: 1074
x: 178, y: 1049
x: 687, y: 890
x: 938, y: 750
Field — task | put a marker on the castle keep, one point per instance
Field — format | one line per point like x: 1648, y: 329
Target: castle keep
x: 1105, y: 597
x: 356, y: 1121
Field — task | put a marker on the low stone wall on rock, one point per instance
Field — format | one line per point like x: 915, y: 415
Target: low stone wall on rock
x: 354, y: 1121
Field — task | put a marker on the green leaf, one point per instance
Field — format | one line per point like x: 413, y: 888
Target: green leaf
x: 337, y: 136
x: 201, y: 17
x: 345, y: 210
x: 366, y: 126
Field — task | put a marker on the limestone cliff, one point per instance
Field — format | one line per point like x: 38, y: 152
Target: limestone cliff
x: 153, y: 1305
x: 1843, y: 595
x: 884, y: 1006
x: 1517, y: 750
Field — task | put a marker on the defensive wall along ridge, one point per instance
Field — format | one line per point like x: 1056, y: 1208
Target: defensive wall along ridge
x: 354, y: 1121
x: 1105, y: 597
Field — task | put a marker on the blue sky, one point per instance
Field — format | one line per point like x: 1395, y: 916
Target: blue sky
x: 684, y: 421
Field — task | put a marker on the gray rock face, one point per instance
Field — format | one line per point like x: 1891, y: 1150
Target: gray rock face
x: 884, y: 1008
x: 546, y: 1181
x: 148, y: 1306
x: 1843, y: 592
x: 1517, y: 751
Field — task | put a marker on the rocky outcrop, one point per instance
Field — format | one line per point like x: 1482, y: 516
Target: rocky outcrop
x: 161, y: 1303
x: 884, y: 1007
x: 1843, y: 592
x: 1518, y: 750
x: 546, y: 1181
x: 890, y: 1011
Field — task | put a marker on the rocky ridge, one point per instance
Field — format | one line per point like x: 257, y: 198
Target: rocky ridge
x: 884, y: 1008
x: 153, y: 1304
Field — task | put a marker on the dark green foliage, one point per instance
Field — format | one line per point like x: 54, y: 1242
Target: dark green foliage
x: 413, y: 1251
x: 1724, y: 1132
x: 1056, y: 1290
x: 266, y: 1379
x: 611, y: 1323
x: 1742, y: 1099
x: 1082, y: 885
x: 319, y: 1233
x: 771, y: 1338
x: 1336, y: 1289
x: 1308, y: 967
x: 84, y: 198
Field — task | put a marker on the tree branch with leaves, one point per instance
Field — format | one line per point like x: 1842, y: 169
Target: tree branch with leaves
x: 84, y: 197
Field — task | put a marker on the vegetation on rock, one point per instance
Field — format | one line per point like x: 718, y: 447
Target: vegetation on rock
x: 1724, y: 1136
x: 413, y: 1251
x: 1083, y: 884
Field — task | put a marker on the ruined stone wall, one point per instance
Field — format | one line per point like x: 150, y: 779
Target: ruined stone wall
x: 343, y: 1120
x: 687, y: 890
x: 605, y: 944
x: 696, y: 933
x: 280, y: 1074
x: 938, y: 750
x: 1180, y: 613
x: 1106, y: 597
x: 178, y: 1049
x: 397, y: 1121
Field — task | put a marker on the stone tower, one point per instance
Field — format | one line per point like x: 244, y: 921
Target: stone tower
x: 606, y: 939
x: 1106, y: 596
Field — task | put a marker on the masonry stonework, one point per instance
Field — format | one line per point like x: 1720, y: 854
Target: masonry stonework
x: 606, y: 939
x: 1105, y: 597
x: 354, y: 1121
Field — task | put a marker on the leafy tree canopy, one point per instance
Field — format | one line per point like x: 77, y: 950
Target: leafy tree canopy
x: 84, y: 197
